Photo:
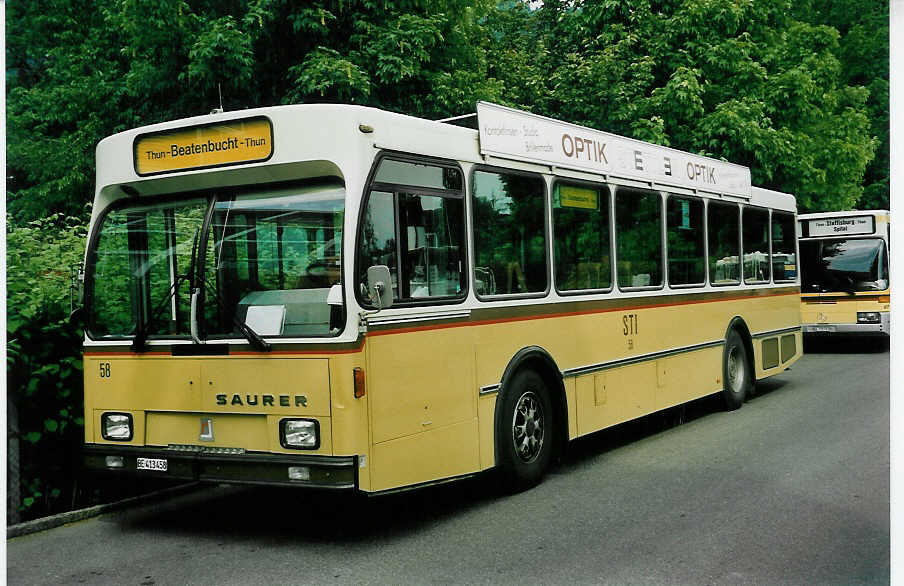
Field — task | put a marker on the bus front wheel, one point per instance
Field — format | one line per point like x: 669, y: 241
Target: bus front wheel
x: 737, y: 374
x: 526, y: 434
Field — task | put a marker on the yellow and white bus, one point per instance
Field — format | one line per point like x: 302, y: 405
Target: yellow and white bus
x: 845, y: 285
x: 337, y: 296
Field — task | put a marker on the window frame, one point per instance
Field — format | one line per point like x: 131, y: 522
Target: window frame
x: 546, y: 227
x: 210, y: 196
x: 609, y: 222
x: 231, y: 195
x: 768, y: 211
x: 203, y: 194
x: 372, y: 185
x: 794, y: 227
x: 662, y: 247
x: 703, y: 202
x: 709, y: 275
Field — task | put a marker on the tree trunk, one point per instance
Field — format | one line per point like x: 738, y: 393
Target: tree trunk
x: 13, y: 496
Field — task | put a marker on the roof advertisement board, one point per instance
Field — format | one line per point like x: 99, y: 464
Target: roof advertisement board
x: 513, y: 134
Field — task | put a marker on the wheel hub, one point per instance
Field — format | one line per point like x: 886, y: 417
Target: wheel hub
x: 527, y: 427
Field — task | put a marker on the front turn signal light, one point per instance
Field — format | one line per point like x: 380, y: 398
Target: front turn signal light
x: 359, y: 383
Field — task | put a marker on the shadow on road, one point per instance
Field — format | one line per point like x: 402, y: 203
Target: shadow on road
x: 292, y: 515
x: 585, y: 448
x: 841, y: 344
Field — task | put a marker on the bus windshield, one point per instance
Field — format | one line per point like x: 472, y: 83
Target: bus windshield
x: 844, y: 265
x: 262, y: 260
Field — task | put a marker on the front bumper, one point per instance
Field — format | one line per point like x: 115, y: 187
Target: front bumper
x: 201, y: 463
x: 883, y: 328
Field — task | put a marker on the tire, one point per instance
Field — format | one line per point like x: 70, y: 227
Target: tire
x: 737, y: 373
x: 526, y: 432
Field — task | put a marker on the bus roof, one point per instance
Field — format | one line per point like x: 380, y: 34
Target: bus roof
x: 771, y: 198
x: 310, y: 140
x: 843, y: 214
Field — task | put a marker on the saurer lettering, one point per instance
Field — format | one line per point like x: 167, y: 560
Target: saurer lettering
x: 265, y: 400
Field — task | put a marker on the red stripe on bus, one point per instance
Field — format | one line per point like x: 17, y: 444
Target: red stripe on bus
x: 101, y: 353
x: 294, y: 352
x: 566, y: 314
x: 452, y: 325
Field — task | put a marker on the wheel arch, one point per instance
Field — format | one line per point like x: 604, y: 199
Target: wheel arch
x: 738, y: 324
x: 539, y: 360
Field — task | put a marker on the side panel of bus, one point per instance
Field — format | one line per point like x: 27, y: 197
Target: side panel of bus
x: 430, y: 421
x: 423, y: 412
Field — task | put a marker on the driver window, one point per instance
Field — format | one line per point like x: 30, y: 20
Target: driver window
x: 417, y: 232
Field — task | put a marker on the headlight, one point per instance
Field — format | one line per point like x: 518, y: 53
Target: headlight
x: 868, y: 317
x: 116, y: 426
x: 299, y: 434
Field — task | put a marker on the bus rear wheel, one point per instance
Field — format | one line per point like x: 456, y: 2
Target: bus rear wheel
x: 737, y: 374
x: 527, y: 431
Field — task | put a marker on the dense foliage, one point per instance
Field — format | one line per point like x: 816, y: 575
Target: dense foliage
x: 796, y: 90
x: 44, y: 370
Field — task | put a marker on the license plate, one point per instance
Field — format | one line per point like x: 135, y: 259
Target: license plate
x: 156, y: 464
x: 823, y: 328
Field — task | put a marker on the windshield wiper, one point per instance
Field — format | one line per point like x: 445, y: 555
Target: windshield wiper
x: 142, y: 331
x: 256, y: 341
x: 141, y: 335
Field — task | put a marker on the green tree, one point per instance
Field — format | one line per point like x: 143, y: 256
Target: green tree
x: 80, y: 70
x: 864, y: 56
x: 744, y: 81
x: 44, y: 373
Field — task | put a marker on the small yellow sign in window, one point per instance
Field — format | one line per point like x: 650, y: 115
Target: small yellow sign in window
x: 247, y: 140
x: 572, y: 196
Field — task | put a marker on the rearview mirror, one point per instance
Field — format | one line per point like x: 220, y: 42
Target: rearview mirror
x: 334, y: 296
x: 77, y: 317
x: 76, y: 288
x: 379, y: 286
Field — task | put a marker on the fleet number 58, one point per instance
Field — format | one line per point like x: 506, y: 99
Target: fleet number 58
x: 104, y: 370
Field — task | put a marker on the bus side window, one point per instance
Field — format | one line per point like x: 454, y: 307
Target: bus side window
x: 723, y: 225
x: 687, y: 258
x: 784, y: 259
x: 432, y: 231
x: 581, y: 236
x: 509, y: 233
x: 756, y: 245
x: 414, y: 223
x: 378, y: 238
x: 638, y: 237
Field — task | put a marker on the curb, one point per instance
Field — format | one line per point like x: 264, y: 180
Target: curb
x: 45, y: 523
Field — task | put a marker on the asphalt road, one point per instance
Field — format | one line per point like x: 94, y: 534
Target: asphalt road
x: 791, y: 489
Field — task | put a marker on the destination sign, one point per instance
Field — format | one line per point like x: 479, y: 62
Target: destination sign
x: 847, y: 225
x: 571, y: 196
x: 248, y: 140
x: 513, y: 134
